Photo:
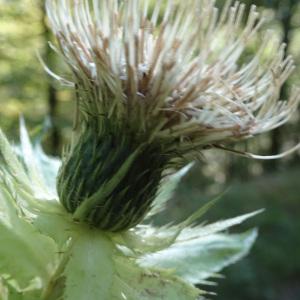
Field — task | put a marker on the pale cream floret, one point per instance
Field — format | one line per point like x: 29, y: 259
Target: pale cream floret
x: 185, y: 66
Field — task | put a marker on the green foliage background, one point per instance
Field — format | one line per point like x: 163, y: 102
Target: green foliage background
x: 272, y: 271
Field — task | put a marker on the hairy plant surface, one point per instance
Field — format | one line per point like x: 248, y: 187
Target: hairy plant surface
x: 151, y: 93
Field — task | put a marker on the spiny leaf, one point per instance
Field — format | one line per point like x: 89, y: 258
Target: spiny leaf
x: 38, y: 166
x: 25, y: 254
x: 11, y: 164
x: 136, y: 283
x: 148, y: 238
x: 28, y: 156
x: 48, y: 167
x: 167, y: 189
x: 201, y: 231
x: 56, y: 224
x: 198, y: 259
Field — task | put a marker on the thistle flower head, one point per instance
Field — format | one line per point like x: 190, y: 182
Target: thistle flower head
x: 180, y: 77
x: 159, y: 89
x: 151, y: 91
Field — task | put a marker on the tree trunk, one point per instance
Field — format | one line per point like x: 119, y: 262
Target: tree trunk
x: 52, y: 98
x: 285, y: 12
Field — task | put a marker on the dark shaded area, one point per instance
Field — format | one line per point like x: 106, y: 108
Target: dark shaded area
x: 100, y: 167
x: 272, y: 269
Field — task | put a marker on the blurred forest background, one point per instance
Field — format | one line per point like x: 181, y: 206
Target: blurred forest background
x: 272, y: 270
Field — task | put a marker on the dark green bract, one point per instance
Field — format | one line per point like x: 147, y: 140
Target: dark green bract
x: 110, y: 180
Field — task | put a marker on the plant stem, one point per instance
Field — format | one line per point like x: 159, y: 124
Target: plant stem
x: 53, y: 281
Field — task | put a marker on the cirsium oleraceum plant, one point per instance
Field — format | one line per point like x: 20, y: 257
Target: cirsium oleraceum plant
x: 152, y: 90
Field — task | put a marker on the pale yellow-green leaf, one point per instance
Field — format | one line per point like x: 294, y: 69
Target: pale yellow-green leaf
x: 167, y: 190
x: 90, y: 270
x: 40, y: 169
x: 197, y: 259
x: 136, y: 283
x: 148, y: 238
x: 26, y: 256
x: 201, y: 231
x: 57, y: 224
x: 10, y: 163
